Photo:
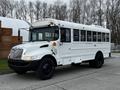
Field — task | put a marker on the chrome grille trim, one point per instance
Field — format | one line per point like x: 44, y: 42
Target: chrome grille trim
x: 16, y: 53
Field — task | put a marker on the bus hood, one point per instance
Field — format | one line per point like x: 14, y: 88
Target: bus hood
x: 31, y: 45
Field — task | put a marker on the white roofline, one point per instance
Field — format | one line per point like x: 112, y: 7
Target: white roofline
x: 67, y: 24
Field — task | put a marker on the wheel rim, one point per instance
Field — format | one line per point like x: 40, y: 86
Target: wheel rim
x: 47, y: 68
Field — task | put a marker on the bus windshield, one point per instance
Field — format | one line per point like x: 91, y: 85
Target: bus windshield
x: 50, y: 33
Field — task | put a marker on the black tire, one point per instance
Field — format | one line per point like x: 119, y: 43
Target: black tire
x: 98, y: 62
x: 20, y: 72
x: 46, y: 69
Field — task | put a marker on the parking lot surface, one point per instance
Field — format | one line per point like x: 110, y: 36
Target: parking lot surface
x: 69, y: 78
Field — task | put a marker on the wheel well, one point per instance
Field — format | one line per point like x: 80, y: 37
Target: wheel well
x: 99, y: 52
x: 50, y: 56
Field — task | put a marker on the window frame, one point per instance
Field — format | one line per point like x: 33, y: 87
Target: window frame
x: 107, y: 37
x: 65, y: 29
x: 99, y: 39
x: 78, y: 37
x: 81, y: 35
x: 89, y: 39
x: 94, y: 36
x: 103, y: 37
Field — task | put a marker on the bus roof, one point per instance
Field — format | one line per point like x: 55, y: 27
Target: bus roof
x: 66, y: 24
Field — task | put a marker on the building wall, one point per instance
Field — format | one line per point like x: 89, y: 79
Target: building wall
x: 16, y: 24
x: 7, y: 41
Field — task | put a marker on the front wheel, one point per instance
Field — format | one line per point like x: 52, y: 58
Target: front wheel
x: 46, y: 69
x: 98, y: 62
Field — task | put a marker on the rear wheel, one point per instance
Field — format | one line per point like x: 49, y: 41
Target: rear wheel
x: 46, y: 69
x: 98, y: 62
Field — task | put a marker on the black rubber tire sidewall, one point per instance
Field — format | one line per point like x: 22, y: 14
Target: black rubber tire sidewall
x: 98, y: 62
x: 39, y: 71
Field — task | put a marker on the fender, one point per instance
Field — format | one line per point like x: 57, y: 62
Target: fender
x: 98, y: 53
x: 38, y: 54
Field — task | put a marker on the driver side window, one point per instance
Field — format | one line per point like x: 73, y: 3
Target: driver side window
x: 65, y: 35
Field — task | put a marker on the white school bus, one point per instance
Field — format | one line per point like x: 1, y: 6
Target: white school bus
x: 54, y: 43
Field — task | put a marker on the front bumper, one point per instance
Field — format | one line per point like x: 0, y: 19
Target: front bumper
x: 23, y: 65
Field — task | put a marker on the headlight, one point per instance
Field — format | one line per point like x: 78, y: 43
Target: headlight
x: 30, y: 58
x: 27, y: 58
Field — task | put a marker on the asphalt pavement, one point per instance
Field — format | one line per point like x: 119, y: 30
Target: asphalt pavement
x: 69, y: 78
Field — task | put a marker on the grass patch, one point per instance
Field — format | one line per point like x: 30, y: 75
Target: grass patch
x: 4, y: 69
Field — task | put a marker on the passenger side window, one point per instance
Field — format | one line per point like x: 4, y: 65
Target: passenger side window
x: 99, y: 36
x: 94, y: 36
x: 34, y: 36
x: 75, y: 35
x: 107, y: 37
x: 103, y: 37
x: 40, y: 36
x: 83, y: 35
x: 89, y: 36
x: 65, y: 35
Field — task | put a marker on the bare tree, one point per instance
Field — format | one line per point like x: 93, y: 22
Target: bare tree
x: 100, y: 12
x: 11, y: 7
x: 31, y: 11
x: 93, y: 11
x: 63, y: 10
x: 56, y: 8
x: 83, y: 11
x: 50, y: 11
x: 38, y: 10
x: 44, y: 7
x: 75, y: 10
x: 60, y: 10
x: 21, y: 10
x: 113, y: 19
x: 87, y: 13
x: 24, y: 10
x: 4, y: 8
